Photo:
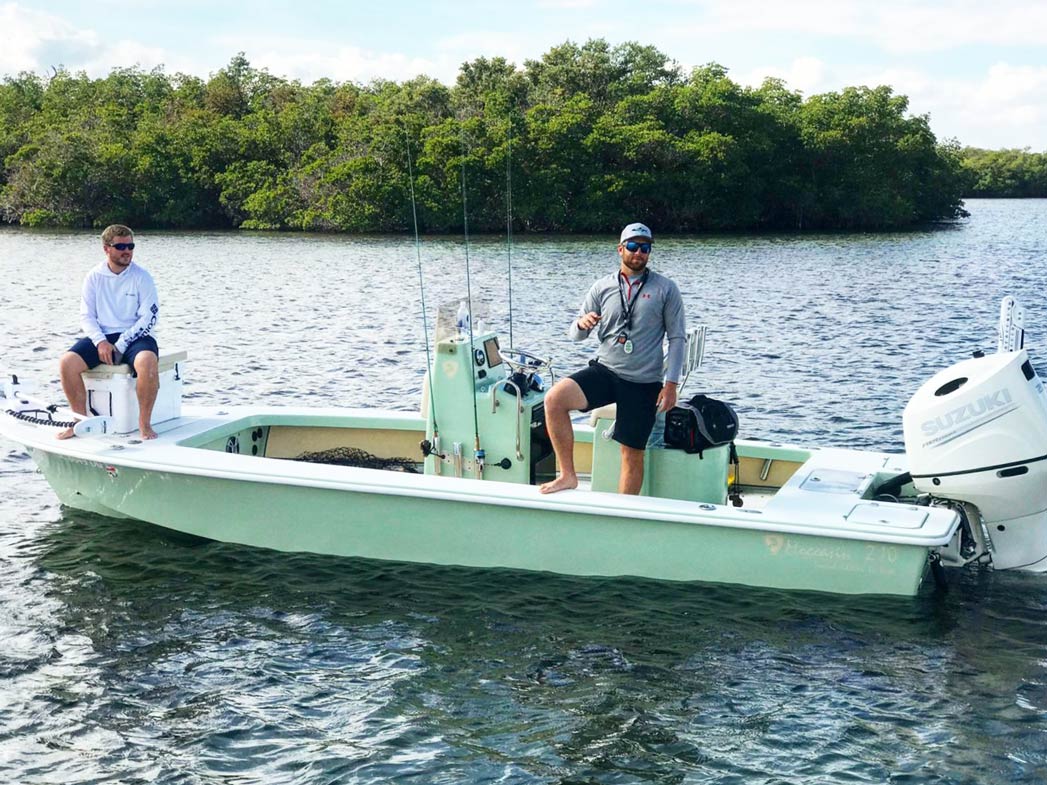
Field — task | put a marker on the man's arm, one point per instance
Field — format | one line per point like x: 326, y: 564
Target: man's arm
x: 148, y: 315
x: 676, y: 332
x: 588, y: 316
x: 89, y: 311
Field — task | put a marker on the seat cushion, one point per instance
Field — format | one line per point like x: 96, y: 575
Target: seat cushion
x: 166, y: 362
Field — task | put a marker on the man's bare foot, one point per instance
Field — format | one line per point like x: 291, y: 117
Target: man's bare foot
x: 147, y: 432
x: 561, y: 483
x: 68, y: 433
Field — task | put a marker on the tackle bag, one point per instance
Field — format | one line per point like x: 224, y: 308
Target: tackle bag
x: 699, y: 424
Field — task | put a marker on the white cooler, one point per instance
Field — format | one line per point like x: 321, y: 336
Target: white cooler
x: 111, y: 392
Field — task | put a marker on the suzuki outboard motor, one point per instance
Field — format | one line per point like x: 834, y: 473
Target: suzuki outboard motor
x: 977, y: 433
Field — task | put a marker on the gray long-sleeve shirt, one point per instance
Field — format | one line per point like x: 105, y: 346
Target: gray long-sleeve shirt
x: 657, y: 313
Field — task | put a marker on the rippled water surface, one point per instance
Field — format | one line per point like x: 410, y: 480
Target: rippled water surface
x: 131, y: 654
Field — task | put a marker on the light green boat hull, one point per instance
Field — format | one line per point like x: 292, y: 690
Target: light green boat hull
x: 397, y: 527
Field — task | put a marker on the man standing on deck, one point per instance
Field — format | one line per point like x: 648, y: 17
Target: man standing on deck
x: 118, y: 311
x: 632, y: 310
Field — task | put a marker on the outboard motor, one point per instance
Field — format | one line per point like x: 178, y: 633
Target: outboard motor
x: 977, y: 433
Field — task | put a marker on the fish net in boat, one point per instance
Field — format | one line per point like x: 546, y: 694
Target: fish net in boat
x: 360, y: 459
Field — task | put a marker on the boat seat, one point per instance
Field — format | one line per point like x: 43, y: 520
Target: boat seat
x: 606, y: 412
x: 668, y: 474
x: 167, y: 362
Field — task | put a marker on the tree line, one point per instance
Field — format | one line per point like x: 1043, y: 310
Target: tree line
x: 588, y: 136
x: 1005, y: 173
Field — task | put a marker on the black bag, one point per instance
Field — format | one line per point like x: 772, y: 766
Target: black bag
x: 699, y: 424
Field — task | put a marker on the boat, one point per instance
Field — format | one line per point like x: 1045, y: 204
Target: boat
x: 455, y: 482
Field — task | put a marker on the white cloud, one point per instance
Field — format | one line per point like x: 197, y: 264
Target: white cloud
x: 809, y: 75
x: 309, y: 60
x: 1004, y: 106
x: 36, y: 41
x: 894, y: 25
x: 30, y: 36
x: 937, y: 29
x: 1007, y: 107
x: 514, y: 48
x: 799, y: 16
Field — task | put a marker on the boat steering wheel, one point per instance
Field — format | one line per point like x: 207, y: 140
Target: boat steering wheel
x: 528, y: 362
x: 524, y: 364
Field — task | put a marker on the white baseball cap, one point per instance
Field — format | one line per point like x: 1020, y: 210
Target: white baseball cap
x: 635, y: 230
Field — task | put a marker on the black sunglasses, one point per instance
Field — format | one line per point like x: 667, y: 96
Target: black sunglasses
x: 632, y: 247
x: 122, y: 246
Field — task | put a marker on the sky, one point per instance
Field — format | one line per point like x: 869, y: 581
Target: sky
x: 977, y: 68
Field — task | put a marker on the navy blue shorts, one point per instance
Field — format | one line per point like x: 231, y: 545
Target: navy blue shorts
x: 637, y: 402
x: 87, y: 350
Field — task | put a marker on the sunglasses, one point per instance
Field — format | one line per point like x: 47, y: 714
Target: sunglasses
x: 632, y: 247
x: 122, y: 246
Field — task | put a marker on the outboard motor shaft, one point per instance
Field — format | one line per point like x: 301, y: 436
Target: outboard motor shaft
x: 977, y: 432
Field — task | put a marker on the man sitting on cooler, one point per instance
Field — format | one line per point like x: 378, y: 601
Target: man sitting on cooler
x: 118, y: 312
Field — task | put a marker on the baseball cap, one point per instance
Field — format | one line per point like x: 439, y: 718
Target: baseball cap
x: 635, y: 230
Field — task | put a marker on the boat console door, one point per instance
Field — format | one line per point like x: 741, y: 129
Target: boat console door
x: 486, y: 413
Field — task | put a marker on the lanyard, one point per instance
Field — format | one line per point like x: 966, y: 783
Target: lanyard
x: 627, y: 308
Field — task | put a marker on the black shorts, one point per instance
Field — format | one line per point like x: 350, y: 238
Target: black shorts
x: 87, y: 350
x: 637, y: 402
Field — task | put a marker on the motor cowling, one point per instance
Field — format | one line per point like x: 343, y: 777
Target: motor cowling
x: 977, y: 432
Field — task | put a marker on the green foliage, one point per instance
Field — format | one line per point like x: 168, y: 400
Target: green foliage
x: 862, y: 135
x: 1004, y: 173
x: 606, y: 75
x: 592, y: 135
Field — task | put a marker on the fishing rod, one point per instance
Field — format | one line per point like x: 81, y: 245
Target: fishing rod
x: 421, y: 289
x: 509, y: 223
x: 478, y: 453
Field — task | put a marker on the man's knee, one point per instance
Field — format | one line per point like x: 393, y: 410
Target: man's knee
x: 146, y: 365
x: 566, y: 395
x: 71, y: 364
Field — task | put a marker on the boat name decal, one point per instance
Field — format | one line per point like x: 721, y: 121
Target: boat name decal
x: 878, y: 558
x: 968, y: 413
x: 776, y: 544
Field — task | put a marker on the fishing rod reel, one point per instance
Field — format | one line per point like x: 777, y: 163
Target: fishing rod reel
x: 524, y: 367
x: 428, y: 447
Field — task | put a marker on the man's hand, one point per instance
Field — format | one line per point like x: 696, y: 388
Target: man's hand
x: 667, y: 397
x: 105, y: 352
x: 588, y: 321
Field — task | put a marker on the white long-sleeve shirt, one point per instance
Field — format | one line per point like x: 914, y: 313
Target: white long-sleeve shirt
x: 126, y: 303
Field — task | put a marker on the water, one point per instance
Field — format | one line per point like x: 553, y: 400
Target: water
x: 131, y: 654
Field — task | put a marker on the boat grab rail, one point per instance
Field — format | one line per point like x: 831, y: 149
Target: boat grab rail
x: 519, y: 411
